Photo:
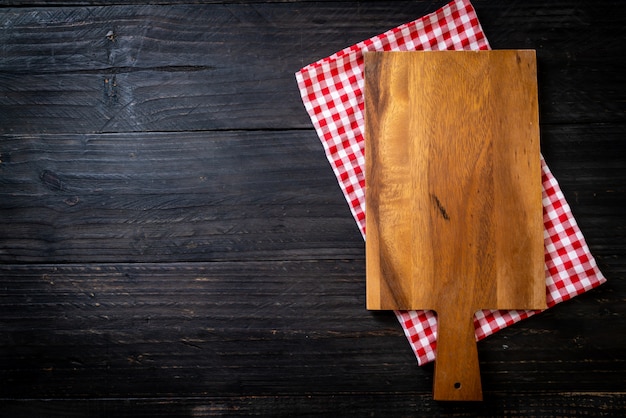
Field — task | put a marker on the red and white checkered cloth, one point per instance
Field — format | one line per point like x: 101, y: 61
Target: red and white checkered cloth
x: 332, y: 92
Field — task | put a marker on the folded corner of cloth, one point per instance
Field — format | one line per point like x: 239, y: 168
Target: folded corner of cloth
x: 332, y: 93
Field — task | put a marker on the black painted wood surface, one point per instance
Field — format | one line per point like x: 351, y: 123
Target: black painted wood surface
x: 173, y: 241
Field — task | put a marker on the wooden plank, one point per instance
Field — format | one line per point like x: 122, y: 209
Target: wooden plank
x: 358, y: 404
x: 48, y: 3
x: 218, y: 71
x: 198, y: 67
x: 266, y: 328
x: 195, y: 329
x: 178, y: 196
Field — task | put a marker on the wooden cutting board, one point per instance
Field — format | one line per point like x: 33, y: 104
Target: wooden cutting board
x: 453, y: 194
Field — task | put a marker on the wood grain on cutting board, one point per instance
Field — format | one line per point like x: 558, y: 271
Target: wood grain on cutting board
x: 453, y: 198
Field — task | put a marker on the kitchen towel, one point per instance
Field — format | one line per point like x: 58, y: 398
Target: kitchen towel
x: 332, y: 92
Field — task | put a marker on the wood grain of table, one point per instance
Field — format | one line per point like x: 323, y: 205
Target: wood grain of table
x: 173, y: 241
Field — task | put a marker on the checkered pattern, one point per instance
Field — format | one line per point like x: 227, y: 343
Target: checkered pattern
x: 332, y: 92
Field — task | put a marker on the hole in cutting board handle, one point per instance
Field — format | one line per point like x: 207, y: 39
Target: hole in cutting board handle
x: 457, y: 371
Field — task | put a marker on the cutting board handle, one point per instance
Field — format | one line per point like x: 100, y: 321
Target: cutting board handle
x: 457, y: 372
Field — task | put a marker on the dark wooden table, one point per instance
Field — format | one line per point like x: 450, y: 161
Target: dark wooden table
x: 173, y: 241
